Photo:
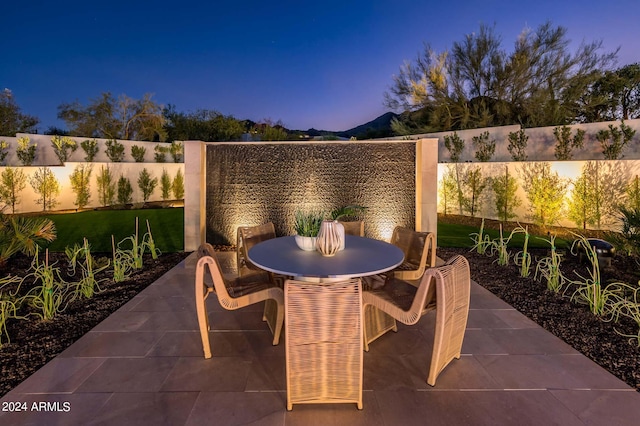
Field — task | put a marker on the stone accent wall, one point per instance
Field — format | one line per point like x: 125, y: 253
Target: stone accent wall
x: 250, y: 184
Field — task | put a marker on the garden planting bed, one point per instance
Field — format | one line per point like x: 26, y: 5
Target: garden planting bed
x: 34, y: 342
x: 594, y: 337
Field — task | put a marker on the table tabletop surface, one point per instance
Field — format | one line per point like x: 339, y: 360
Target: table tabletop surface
x: 360, y: 257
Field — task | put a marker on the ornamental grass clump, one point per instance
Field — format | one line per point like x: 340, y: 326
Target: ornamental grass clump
x: 149, y: 243
x: 549, y: 268
x: 481, y: 241
x: 628, y: 307
x: 9, y: 305
x: 523, y: 257
x: 589, y: 289
x: 499, y: 247
x: 122, y: 263
x: 137, y: 248
x: 50, y: 290
x: 81, y: 256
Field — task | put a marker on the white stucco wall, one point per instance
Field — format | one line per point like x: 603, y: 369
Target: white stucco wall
x: 67, y: 197
x: 568, y: 170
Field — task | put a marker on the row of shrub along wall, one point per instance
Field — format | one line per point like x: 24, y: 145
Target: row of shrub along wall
x: 66, y: 198
x: 45, y: 156
x: 625, y: 170
x: 540, y: 145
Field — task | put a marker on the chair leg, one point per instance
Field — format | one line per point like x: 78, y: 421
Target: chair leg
x: 203, y: 322
x: 274, y: 316
x: 376, y: 323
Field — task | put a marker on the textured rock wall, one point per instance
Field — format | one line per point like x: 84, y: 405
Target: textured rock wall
x: 250, y: 184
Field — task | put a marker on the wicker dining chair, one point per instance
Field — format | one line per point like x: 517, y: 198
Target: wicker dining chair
x: 234, y: 294
x: 419, y: 250
x: 401, y: 301
x: 247, y: 237
x: 324, y: 342
x: 353, y: 227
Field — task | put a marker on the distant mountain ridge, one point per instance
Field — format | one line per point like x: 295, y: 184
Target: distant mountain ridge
x: 379, y: 127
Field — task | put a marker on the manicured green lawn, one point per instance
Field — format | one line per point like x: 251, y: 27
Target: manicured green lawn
x: 166, y: 226
x: 454, y: 235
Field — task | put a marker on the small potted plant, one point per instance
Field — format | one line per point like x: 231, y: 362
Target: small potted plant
x: 347, y: 212
x: 307, y: 226
x: 346, y: 216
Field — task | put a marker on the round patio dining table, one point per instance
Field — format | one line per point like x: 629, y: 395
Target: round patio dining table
x: 360, y: 257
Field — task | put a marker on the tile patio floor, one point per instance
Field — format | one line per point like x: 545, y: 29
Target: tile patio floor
x: 144, y: 366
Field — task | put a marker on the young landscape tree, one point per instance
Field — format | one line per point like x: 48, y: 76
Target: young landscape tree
x: 565, y: 144
x: 160, y: 153
x: 81, y: 184
x: 165, y: 185
x: 147, y: 184
x: 448, y: 190
x: 474, y: 185
x: 125, y: 190
x: 517, y: 145
x: 4, y: 151
x: 614, y: 140
x: 176, y: 150
x: 115, y: 151
x: 597, y: 193
x: 137, y: 152
x: 177, y: 186
x: 90, y: 148
x: 61, y: 147
x: 106, y: 186
x: 26, y: 151
x: 633, y: 194
x: 582, y: 210
x: 506, y: 201
x: 545, y: 191
x: 12, y: 182
x: 46, y: 186
x: 485, y: 147
x: 455, y: 146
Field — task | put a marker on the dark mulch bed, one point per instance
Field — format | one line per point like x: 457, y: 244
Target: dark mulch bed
x: 573, y: 323
x: 35, y: 342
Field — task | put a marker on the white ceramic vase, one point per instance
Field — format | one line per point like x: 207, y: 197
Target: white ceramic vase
x: 342, y: 234
x: 329, y: 239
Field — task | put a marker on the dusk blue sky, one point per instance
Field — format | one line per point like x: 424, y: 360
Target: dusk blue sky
x: 322, y: 64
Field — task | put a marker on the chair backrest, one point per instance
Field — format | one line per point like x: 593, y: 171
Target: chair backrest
x: 416, y: 247
x: 249, y: 236
x: 324, y: 344
x: 353, y: 227
x: 208, y: 260
x: 453, y: 293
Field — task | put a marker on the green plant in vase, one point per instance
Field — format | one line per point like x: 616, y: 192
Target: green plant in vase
x: 347, y: 212
x: 307, y: 226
